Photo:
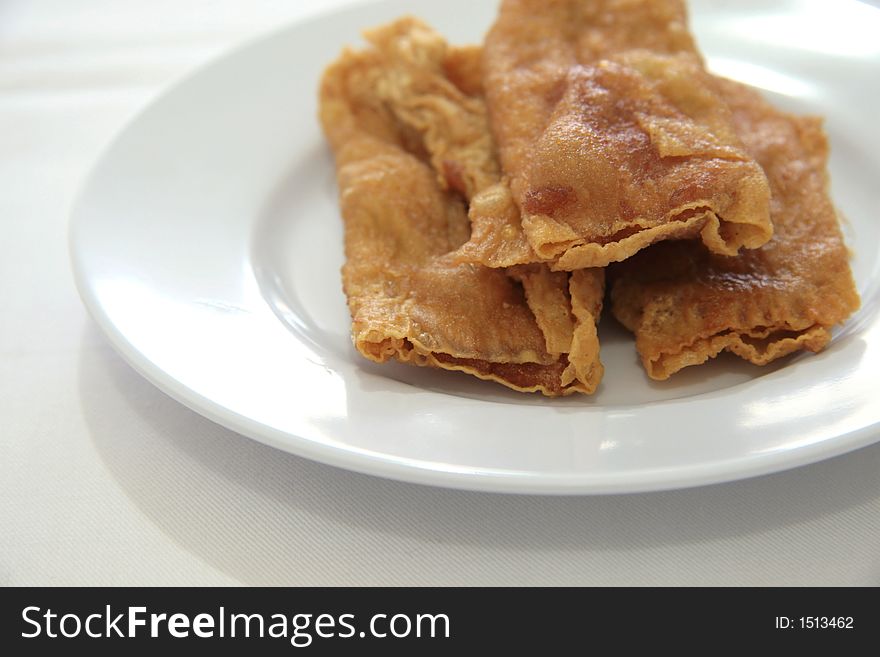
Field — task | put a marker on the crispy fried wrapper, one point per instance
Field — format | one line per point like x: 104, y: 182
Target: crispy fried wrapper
x: 686, y: 306
x: 612, y: 136
x: 408, y: 128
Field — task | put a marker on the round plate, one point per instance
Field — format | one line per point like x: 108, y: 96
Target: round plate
x: 207, y: 245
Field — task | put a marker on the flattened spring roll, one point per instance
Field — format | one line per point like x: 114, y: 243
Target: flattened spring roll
x: 612, y: 137
x: 390, y: 113
x: 686, y: 306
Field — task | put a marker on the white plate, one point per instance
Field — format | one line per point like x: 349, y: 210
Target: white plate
x: 207, y: 245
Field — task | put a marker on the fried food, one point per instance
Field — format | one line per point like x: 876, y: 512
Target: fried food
x: 482, y: 192
x: 686, y: 306
x: 612, y: 137
x: 409, y: 133
x: 566, y: 308
x: 497, y: 237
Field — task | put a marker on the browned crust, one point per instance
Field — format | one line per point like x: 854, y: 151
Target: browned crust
x: 686, y: 306
x: 612, y: 136
x: 411, y: 146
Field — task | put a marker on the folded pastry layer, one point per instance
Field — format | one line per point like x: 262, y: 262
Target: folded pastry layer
x: 686, y: 305
x: 612, y: 136
x: 412, y: 146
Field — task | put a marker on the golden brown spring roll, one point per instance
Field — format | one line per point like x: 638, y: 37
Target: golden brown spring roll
x: 409, y: 151
x: 612, y: 137
x: 686, y: 305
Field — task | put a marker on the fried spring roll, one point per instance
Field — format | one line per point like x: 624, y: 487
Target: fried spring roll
x: 612, y: 137
x: 410, y: 150
x: 686, y: 306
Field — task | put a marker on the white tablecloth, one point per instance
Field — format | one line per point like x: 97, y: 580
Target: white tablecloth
x: 105, y: 480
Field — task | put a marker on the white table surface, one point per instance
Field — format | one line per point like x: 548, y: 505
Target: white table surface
x: 104, y: 480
